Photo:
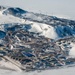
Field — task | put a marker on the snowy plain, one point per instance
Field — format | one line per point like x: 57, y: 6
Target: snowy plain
x: 64, y: 71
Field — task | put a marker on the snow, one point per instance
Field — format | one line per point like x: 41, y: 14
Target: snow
x: 44, y: 29
x: 64, y: 71
x: 48, y: 31
x: 8, y: 65
x: 9, y: 19
x: 0, y: 13
x: 72, y: 51
x: 33, y: 16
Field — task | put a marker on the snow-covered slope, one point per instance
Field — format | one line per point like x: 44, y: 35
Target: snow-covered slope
x: 4, y: 19
x: 72, y: 51
x: 49, y: 26
x: 43, y: 25
x: 64, y: 71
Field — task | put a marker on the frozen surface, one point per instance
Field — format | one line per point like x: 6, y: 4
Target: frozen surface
x: 64, y: 71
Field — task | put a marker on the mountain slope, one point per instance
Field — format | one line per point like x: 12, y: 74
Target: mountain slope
x: 60, y: 27
x: 49, y: 40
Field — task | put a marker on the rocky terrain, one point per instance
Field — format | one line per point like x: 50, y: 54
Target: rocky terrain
x: 33, y: 41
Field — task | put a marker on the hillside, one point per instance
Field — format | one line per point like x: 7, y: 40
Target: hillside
x: 32, y: 41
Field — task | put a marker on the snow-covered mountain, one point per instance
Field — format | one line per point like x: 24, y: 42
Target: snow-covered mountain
x: 20, y: 28
x: 49, y: 26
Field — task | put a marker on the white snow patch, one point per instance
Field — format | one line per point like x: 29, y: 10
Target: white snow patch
x: 9, y: 65
x: 72, y: 51
x: 9, y: 19
x: 0, y: 13
x: 64, y: 71
x: 48, y: 31
x: 44, y: 29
